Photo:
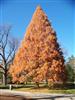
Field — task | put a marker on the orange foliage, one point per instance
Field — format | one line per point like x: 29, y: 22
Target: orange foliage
x: 39, y: 56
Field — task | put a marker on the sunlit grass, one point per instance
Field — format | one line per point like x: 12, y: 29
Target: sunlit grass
x: 31, y: 87
x: 46, y: 90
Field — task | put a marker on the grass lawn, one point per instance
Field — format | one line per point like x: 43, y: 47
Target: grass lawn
x: 30, y: 87
x: 45, y: 90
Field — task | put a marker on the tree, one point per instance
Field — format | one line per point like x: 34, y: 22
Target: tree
x: 8, y: 46
x: 39, y: 57
x: 70, y: 67
x: 70, y: 73
x: 71, y: 61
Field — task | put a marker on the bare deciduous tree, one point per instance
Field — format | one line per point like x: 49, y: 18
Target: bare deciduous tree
x: 8, y: 47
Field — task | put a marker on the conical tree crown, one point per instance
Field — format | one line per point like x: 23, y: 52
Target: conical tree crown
x: 39, y: 56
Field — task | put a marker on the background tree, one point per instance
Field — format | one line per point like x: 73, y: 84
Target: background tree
x: 70, y: 66
x: 8, y: 46
x: 39, y: 56
x: 71, y: 61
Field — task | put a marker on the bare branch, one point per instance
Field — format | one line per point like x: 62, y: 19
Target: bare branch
x: 8, y: 46
x: 2, y: 56
x: 13, y: 44
x: 11, y: 60
x: 2, y: 67
x: 2, y: 35
x: 10, y: 53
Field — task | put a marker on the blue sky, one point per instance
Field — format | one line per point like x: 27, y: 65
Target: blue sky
x: 18, y: 14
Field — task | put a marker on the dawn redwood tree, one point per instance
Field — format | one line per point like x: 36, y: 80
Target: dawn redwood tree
x: 8, y: 46
x: 39, y: 57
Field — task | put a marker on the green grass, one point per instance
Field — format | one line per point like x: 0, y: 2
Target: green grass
x: 46, y: 90
x: 31, y: 87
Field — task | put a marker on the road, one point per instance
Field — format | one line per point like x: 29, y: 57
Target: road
x: 34, y: 96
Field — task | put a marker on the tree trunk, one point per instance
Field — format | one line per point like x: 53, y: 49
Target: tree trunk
x: 46, y: 83
x: 5, y: 78
x: 37, y: 84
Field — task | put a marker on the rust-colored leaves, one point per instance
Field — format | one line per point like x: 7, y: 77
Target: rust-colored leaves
x: 39, y: 56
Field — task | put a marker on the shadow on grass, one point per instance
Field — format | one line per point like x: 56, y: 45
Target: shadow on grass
x: 56, y: 97
x: 11, y: 97
x: 55, y: 86
x: 17, y: 97
x: 41, y: 86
